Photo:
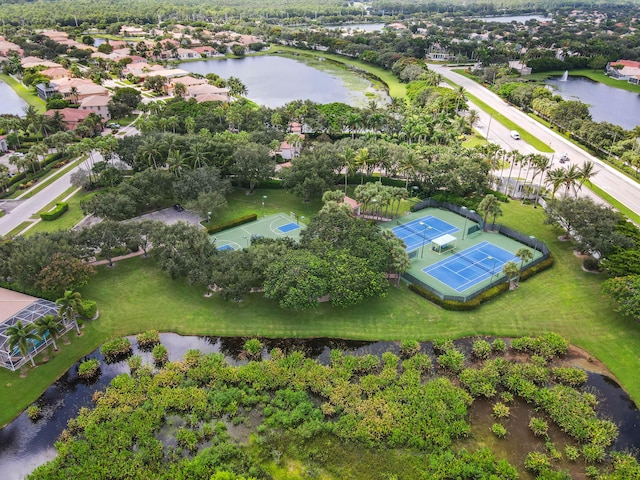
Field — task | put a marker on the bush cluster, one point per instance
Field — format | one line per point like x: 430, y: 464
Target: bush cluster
x: 88, y: 369
x: 148, y: 339
x: 116, y: 348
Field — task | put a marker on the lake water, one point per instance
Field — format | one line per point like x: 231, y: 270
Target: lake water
x: 274, y: 81
x: 515, y: 18
x: 11, y: 102
x: 606, y: 104
x: 24, y: 445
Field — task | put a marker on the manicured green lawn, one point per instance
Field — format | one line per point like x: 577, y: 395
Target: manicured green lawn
x: 69, y: 219
x: 135, y: 296
x: 278, y: 200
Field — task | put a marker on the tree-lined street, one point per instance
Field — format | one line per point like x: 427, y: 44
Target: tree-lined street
x: 616, y: 184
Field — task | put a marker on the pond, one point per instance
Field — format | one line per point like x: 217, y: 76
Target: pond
x: 24, y: 445
x: 514, y: 18
x: 11, y: 103
x: 274, y: 81
x: 606, y: 104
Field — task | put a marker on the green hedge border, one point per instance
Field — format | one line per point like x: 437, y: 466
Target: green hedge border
x: 484, y: 296
x: 56, y: 213
x: 232, y: 223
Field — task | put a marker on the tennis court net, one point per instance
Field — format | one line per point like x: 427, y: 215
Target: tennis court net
x: 412, y: 230
x: 477, y: 263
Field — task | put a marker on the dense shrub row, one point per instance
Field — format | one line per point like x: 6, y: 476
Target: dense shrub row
x: 232, y: 223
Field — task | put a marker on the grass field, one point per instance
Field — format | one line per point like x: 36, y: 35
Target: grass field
x: 69, y: 219
x: 135, y: 296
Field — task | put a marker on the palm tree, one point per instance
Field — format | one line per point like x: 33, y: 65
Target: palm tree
x: 177, y: 162
x: 73, y: 93
x: 362, y: 159
x: 150, y: 151
x: 571, y: 178
x: 198, y: 155
x: 541, y: 165
x: 586, y: 172
x: 380, y: 156
x: 486, y: 206
x: 49, y: 325
x: 348, y: 158
x: 555, y: 178
x: 70, y: 306
x: 525, y: 255
x: 21, y: 336
x: 472, y: 117
x: 511, y: 271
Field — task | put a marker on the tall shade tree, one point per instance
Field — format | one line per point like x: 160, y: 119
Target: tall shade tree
x: 23, y: 337
x: 49, y: 325
x: 70, y: 306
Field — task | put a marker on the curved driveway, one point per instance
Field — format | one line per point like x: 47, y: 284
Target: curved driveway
x: 619, y: 186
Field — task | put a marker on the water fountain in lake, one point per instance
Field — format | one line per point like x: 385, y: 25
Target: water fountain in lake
x: 565, y: 75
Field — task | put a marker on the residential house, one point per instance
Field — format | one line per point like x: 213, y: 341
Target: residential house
x: 206, y: 51
x: 437, y: 53
x: 83, y: 88
x: 187, y: 81
x: 28, y: 62
x: 186, y: 54
x: 46, y: 90
x: 71, y: 117
x: 55, y: 73
x: 624, y: 70
x: 211, y: 97
x: 7, y: 47
x: 97, y: 104
x: 519, y: 188
x: 127, y: 31
x: 289, y: 151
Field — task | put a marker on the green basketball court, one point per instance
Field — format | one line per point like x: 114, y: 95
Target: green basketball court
x: 274, y: 226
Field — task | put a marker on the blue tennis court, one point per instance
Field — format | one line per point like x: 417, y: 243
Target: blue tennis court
x: 422, y: 231
x: 288, y: 227
x: 465, y: 269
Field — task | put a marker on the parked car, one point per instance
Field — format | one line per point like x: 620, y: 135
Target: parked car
x: 18, y: 154
x: 178, y: 208
x: 113, y: 125
x: 564, y: 157
x: 514, y: 134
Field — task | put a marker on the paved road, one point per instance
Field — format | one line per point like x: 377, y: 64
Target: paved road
x: 620, y: 187
x: 19, y: 211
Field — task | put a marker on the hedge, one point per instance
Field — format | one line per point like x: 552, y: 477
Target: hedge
x: 56, y: 213
x: 484, y: 296
x: 232, y: 223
